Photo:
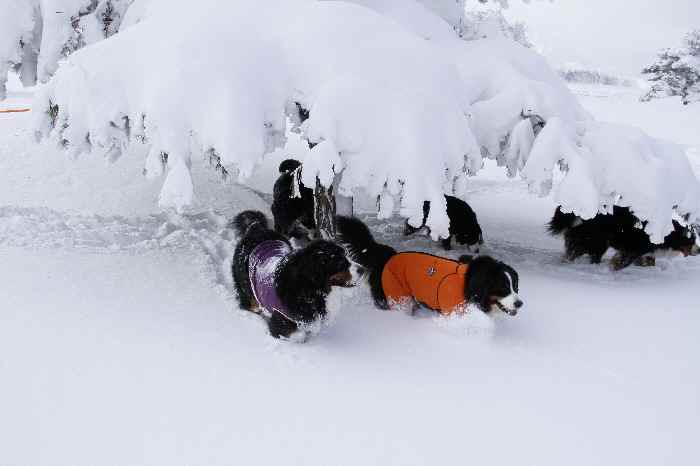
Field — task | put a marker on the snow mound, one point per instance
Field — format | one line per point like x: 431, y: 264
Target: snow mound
x: 397, y: 107
x: 471, y: 323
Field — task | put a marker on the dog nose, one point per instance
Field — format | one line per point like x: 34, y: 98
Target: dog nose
x: 518, y: 304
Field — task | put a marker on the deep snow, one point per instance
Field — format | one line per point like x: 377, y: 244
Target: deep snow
x: 121, y: 343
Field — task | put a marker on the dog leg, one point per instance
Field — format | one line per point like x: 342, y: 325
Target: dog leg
x: 280, y: 326
x: 408, y: 229
x: 447, y: 243
x: 571, y: 250
x: 645, y: 261
x: 622, y: 260
x: 244, y: 293
x: 596, y: 258
x: 571, y: 255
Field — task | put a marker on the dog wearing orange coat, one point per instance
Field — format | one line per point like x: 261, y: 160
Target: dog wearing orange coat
x: 443, y: 285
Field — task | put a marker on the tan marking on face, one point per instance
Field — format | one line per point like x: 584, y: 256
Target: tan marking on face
x: 343, y: 279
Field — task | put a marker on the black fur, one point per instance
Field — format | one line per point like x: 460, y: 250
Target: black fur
x: 294, y: 216
x: 362, y: 248
x: 622, y: 231
x: 464, y: 226
x: 486, y: 277
x: 303, y: 280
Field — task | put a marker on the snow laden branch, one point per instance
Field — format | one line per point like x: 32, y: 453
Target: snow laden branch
x: 36, y: 34
x: 396, y: 104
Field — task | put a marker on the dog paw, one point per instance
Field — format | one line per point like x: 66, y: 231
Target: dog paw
x: 617, y: 263
x: 646, y: 261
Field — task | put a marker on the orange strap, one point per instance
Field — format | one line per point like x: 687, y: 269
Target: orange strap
x: 16, y: 110
x: 451, y: 290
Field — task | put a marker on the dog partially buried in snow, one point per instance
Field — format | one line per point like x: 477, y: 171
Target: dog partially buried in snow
x: 414, y: 278
x: 464, y: 227
x: 287, y: 287
x: 622, y: 231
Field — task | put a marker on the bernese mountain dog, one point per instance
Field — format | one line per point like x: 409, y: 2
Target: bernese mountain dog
x: 440, y: 284
x: 286, y: 287
x: 292, y: 203
x: 464, y: 226
x: 621, y: 231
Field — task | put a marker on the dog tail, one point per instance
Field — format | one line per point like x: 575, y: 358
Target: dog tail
x: 360, y: 243
x: 248, y: 220
x: 289, y: 165
x: 561, y: 222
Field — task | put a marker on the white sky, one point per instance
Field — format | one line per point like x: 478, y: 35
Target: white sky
x: 620, y: 36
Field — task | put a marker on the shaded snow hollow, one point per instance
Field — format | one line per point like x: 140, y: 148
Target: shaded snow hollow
x: 399, y: 115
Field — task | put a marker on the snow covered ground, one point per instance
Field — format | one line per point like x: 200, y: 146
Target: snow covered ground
x: 121, y: 343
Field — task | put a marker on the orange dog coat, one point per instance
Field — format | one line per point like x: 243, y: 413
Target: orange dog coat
x: 435, y: 282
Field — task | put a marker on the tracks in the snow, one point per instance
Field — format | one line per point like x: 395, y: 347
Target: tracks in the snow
x: 206, y: 232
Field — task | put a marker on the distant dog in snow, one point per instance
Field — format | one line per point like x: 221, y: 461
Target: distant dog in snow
x: 464, y: 226
x: 288, y: 288
x: 440, y: 284
x: 293, y: 203
x: 622, y: 231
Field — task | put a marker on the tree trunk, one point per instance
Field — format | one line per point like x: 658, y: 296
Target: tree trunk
x: 324, y: 211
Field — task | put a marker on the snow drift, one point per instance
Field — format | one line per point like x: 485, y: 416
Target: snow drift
x: 399, y: 105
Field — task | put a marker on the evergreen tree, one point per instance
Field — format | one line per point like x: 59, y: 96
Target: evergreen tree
x: 677, y: 72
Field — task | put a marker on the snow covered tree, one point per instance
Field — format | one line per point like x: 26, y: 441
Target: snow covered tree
x: 490, y: 23
x: 677, y: 72
x: 36, y: 34
x: 395, y: 104
x: 477, y: 19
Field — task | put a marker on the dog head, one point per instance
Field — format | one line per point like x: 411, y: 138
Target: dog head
x: 289, y: 165
x: 492, y: 285
x: 682, y: 239
x: 325, y: 264
x: 464, y: 225
x: 472, y: 237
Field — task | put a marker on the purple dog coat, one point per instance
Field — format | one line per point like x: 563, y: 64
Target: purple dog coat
x: 262, y: 266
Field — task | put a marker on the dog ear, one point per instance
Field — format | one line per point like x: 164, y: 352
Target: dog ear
x: 514, y: 276
x: 465, y: 259
x: 476, y: 291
